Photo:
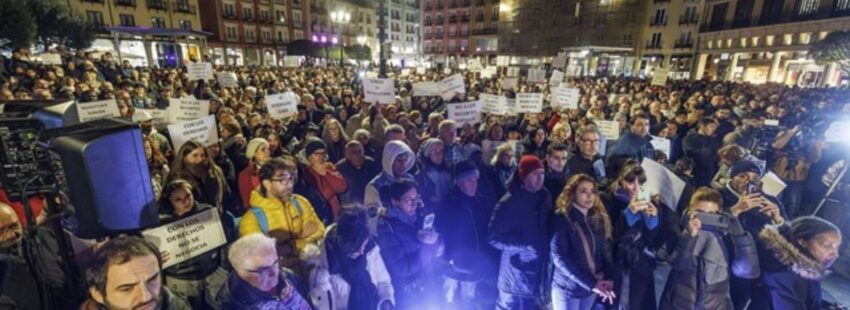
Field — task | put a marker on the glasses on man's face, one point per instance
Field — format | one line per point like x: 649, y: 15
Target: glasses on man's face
x: 590, y: 141
x: 414, y: 200
x: 266, y: 269
x: 287, y: 178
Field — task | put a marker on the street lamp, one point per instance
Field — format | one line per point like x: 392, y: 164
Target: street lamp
x: 340, y: 17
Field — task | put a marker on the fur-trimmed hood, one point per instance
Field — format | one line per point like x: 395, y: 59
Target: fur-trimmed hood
x: 789, y: 255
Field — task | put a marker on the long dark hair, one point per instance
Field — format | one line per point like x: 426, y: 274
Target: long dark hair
x: 165, y: 205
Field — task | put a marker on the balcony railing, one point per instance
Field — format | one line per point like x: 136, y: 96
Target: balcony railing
x: 479, y: 18
x: 439, y: 6
x: 657, y: 22
x: 440, y: 20
x: 452, y: 49
x: 479, y: 3
x: 684, y: 43
x: 183, y: 7
x: 653, y: 45
x: 452, y: 34
x: 464, y: 33
x: 229, y: 15
x: 158, y: 5
x: 248, y: 17
x: 131, y: 3
x: 686, y: 20
x: 427, y: 22
x: 267, y: 20
x: 485, y: 31
x: 465, y: 3
x: 92, y: 1
x: 428, y: 7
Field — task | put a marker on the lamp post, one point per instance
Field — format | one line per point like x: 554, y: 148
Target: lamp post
x: 340, y: 17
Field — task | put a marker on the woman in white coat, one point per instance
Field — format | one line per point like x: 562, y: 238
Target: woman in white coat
x: 346, y: 269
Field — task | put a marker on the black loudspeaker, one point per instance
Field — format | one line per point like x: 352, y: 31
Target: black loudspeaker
x: 106, y: 176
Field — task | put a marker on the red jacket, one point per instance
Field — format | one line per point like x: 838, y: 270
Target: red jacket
x: 36, y: 204
x: 329, y: 185
x: 248, y: 181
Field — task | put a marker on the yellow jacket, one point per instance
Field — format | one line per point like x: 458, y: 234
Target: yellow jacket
x: 285, y: 224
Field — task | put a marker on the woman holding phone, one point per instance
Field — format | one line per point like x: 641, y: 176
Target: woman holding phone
x: 581, y: 248
x: 711, y: 244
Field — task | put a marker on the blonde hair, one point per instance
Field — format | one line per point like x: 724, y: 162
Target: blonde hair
x: 501, y: 149
x: 565, y: 202
x: 704, y: 194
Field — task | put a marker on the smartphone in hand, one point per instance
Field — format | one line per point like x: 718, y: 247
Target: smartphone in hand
x: 713, y: 220
x: 428, y: 223
x: 754, y: 188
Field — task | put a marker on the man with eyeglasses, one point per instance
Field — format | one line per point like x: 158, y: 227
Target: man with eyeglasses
x: 279, y: 213
x: 586, y: 158
x: 257, y: 280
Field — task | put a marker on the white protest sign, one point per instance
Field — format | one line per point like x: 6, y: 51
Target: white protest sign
x: 474, y: 65
x: 200, y: 71
x: 291, y: 61
x: 452, y: 85
x: 465, y: 112
x: 488, y: 72
x: 513, y: 71
x: 51, y: 59
x: 510, y: 82
x: 203, y: 131
x: 426, y: 89
x: 661, y: 144
x: 228, y: 79
x: 662, y: 181
x: 89, y: 111
x: 659, y: 78
x: 282, y: 105
x: 159, y: 116
x: 492, y: 104
x: 557, y: 78
x: 609, y: 129
x: 379, y: 90
x: 529, y: 103
x: 560, y: 61
x: 502, y: 61
x: 420, y: 70
x: 536, y: 75
x: 371, y: 75
x: 838, y: 132
x: 447, y: 70
x: 188, y: 238
x: 187, y: 109
x: 510, y: 106
x: 405, y: 72
x: 488, y: 149
x: 772, y: 184
x: 565, y: 97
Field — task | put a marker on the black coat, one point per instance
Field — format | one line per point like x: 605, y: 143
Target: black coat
x: 520, y: 221
x: 357, y: 178
x: 406, y: 258
x: 579, y: 164
x: 703, y: 150
x: 555, y: 181
x: 463, y: 226
x: 791, y: 277
x: 572, y: 272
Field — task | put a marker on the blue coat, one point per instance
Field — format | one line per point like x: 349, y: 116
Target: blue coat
x: 791, y: 277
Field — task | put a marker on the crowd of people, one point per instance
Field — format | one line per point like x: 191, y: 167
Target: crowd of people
x: 361, y: 205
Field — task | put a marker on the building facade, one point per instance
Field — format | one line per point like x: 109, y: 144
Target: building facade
x: 668, y: 37
x: 455, y: 30
x: 343, y: 23
x: 252, y: 32
x: 767, y: 40
x: 168, y: 30
x: 401, y: 25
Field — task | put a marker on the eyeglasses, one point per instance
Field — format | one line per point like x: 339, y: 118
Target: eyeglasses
x: 590, y: 141
x: 414, y: 200
x: 285, y: 179
x: 266, y: 269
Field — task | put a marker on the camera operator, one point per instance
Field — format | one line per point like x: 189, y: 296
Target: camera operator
x: 795, y: 150
x: 748, y: 133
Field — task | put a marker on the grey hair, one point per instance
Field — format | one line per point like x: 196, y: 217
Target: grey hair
x: 360, y: 132
x: 246, y: 246
x: 504, y: 148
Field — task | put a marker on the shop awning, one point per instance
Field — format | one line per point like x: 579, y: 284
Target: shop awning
x: 152, y: 31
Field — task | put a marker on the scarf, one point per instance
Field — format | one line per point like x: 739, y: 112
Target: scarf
x: 363, y: 293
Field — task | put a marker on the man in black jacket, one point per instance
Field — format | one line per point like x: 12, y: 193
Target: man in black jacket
x: 701, y: 146
x: 557, y: 172
x: 357, y: 169
x: 519, y: 228
x: 586, y: 158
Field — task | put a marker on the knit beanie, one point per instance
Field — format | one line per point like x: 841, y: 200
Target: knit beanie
x: 529, y: 164
x: 253, y: 145
x: 428, y: 145
x: 465, y: 169
x: 314, y: 144
x: 745, y: 165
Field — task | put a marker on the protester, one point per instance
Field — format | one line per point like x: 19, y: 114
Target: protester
x: 258, y: 153
x: 398, y: 159
x: 192, y: 164
x: 557, y: 172
x: 322, y: 175
x: 586, y: 159
x: 633, y: 144
x: 358, y: 169
x: 434, y: 177
x: 702, y: 147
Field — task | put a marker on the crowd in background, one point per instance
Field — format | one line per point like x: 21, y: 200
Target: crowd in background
x: 358, y: 205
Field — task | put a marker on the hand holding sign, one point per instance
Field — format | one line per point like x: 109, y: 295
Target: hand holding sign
x: 465, y: 112
x: 379, y: 90
x: 282, y: 105
x: 200, y: 71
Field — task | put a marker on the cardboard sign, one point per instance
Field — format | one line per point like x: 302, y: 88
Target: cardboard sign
x: 200, y: 71
x: 379, y: 90
x: 51, y: 59
x: 187, y: 109
x: 661, y: 144
x: 474, y: 65
x: 659, y: 78
x: 493, y: 104
x: 465, y: 112
x: 510, y: 83
x: 565, y: 97
x: 609, y: 129
x: 529, y: 103
x: 560, y: 61
x: 426, y: 89
x: 159, y: 116
x: 536, y: 76
x: 228, y: 79
x: 291, y: 61
x: 203, y: 131
x: 282, y: 105
x: 513, y: 71
x: 488, y: 72
x: 557, y: 78
x: 772, y: 184
x: 662, y: 181
x: 188, y: 238
x: 452, y: 85
x: 502, y: 61
x: 89, y: 111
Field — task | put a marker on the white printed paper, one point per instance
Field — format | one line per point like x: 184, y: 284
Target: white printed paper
x: 609, y: 129
x: 420, y: 70
x: 529, y: 103
x: 282, y: 105
x: 51, y: 59
x: 291, y: 61
x: 451, y: 86
x: 565, y: 97
x: 200, y: 71
x: 405, y: 72
x: 426, y: 89
x: 661, y: 144
x: 772, y: 184
x: 228, y: 79
x: 89, y: 111
x: 536, y: 75
x: 203, y: 131
x: 488, y: 72
x: 465, y: 112
x: 502, y: 61
x: 659, y: 78
x: 513, y: 71
x: 557, y: 78
x: 474, y: 65
x: 379, y: 90
x: 663, y: 182
x: 159, y: 116
x: 187, y: 109
x: 447, y: 70
x: 493, y: 104
x: 187, y: 238
x: 838, y: 132
x: 510, y: 83
x: 560, y: 61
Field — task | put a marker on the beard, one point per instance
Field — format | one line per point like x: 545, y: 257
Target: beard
x: 157, y: 302
x: 14, y: 249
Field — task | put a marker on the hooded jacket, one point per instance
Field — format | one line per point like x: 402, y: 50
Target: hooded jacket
x: 435, y: 181
x: 792, y: 277
x: 372, y: 195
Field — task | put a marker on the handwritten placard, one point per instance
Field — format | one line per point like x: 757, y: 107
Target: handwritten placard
x: 451, y: 86
x: 557, y: 78
x: 291, y: 61
x: 659, y: 78
x: 536, y: 76
x: 560, y: 61
x: 426, y: 89
x: 465, y: 112
x: 565, y: 97
x: 227, y: 79
x: 187, y: 238
x: 529, y: 103
x: 493, y: 104
x: 510, y: 83
x: 609, y: 129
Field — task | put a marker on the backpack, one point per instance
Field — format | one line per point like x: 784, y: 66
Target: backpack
x: 261, y: 216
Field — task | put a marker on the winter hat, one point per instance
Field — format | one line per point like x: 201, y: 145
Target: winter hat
x: 314, y: 144
x: 253, y: 145
x: 745, y: 165
x: 465, y: 169
x: 426, y: 147
x: 529, y: 164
